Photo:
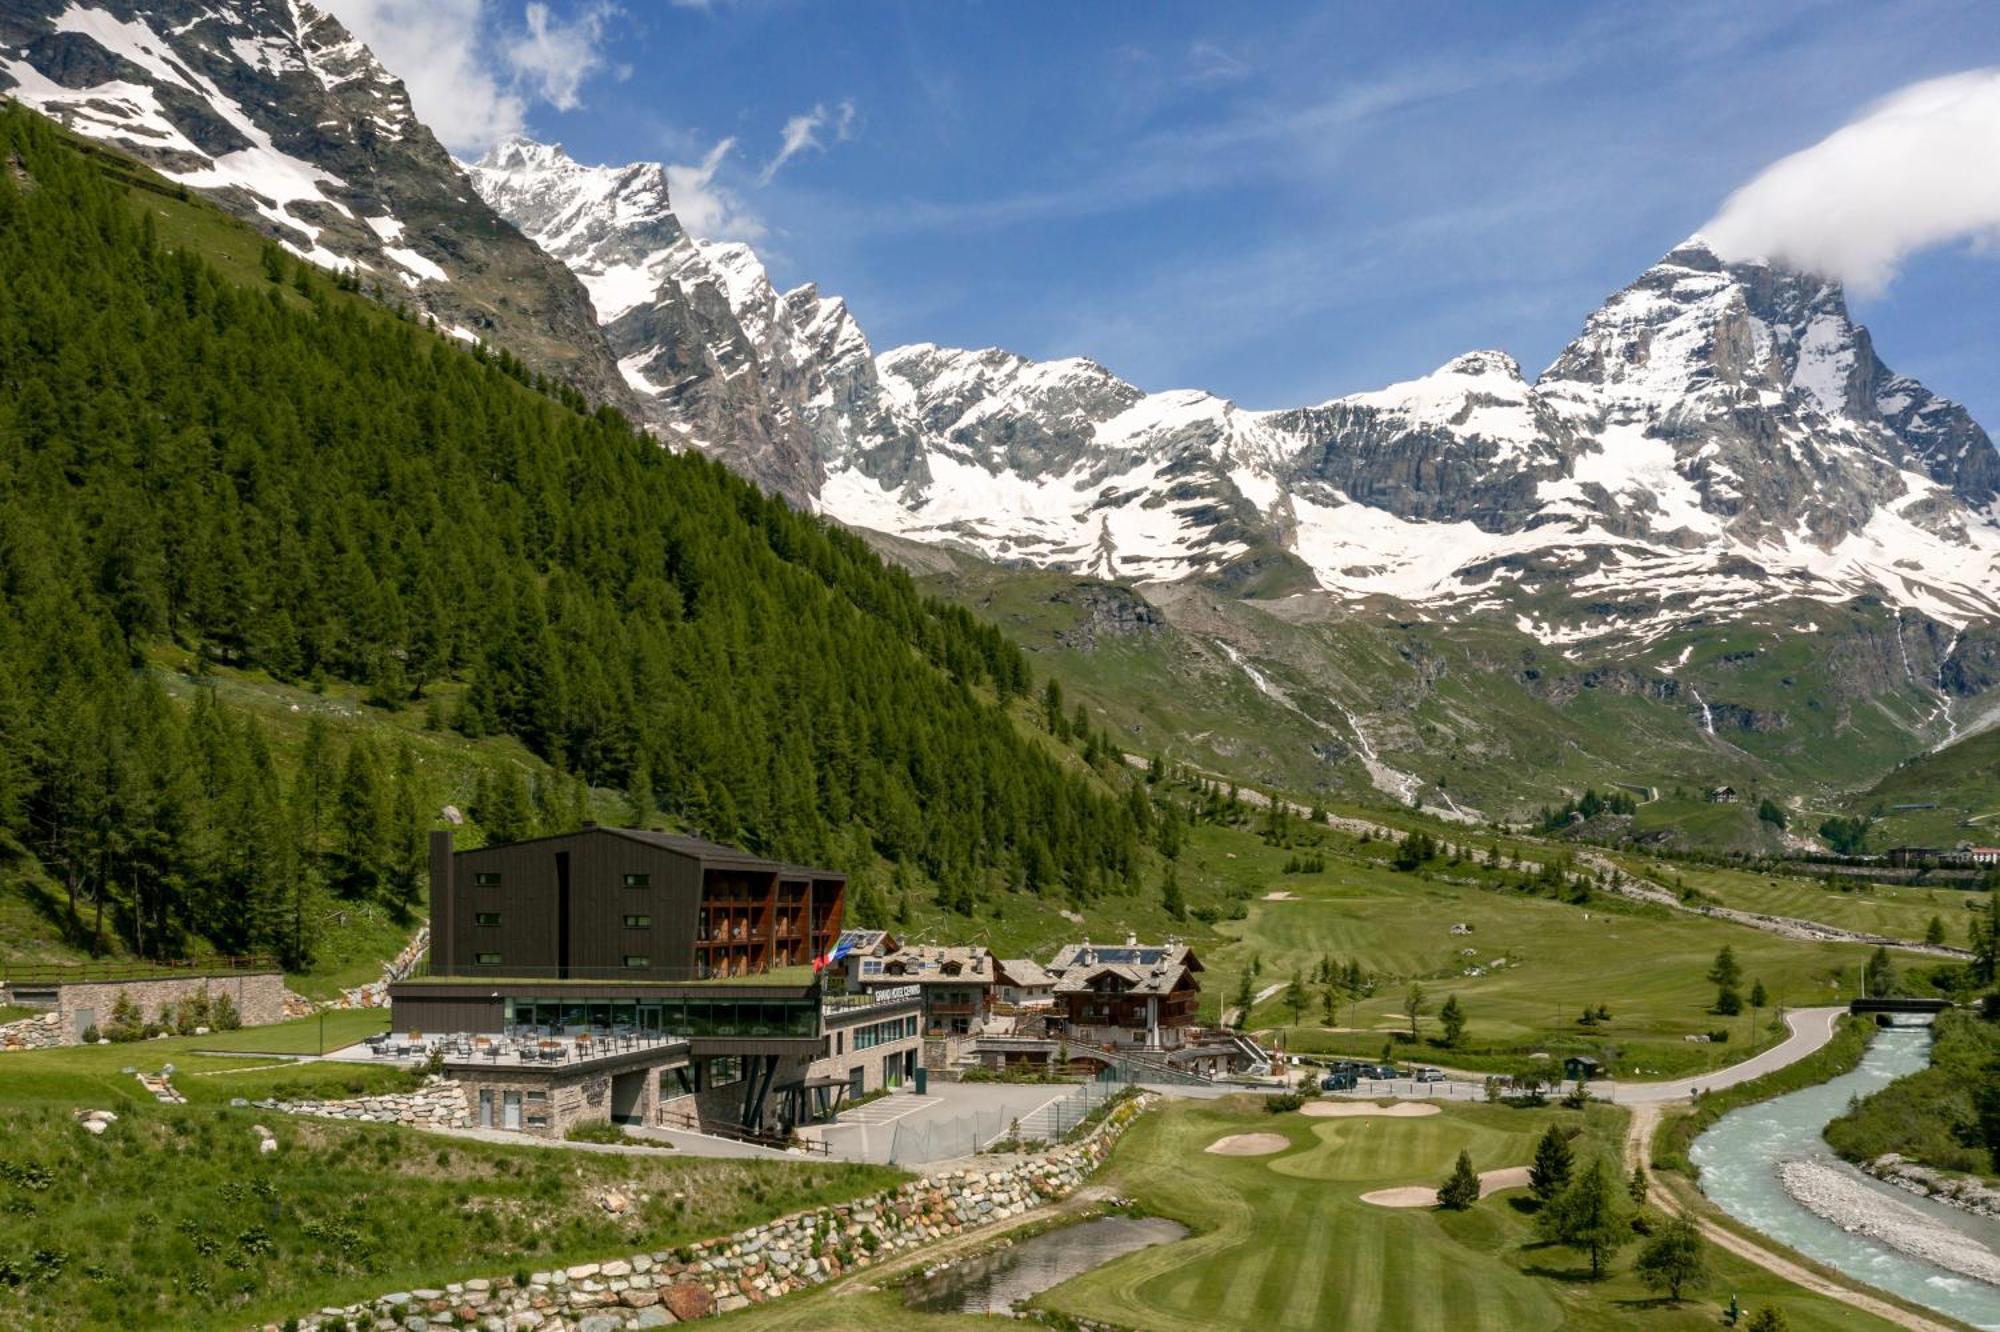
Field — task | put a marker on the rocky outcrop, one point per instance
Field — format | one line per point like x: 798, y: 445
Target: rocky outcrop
x: 793, y: 1253
x: 1105, y: 610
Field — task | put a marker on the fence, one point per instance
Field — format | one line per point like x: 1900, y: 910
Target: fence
x: 56, y: 973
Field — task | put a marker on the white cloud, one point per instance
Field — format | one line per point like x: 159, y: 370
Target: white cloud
x: 802, y: 132
x: 1917, y: 169
x: 706, y: 207
x: 554, y: 58
x: 472, y: 75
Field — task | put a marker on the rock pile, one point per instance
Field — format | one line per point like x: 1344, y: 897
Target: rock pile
x: 793, y: 1253
x: 439, y: 1104
x: 41, y: 1032
x: 95, y: 1121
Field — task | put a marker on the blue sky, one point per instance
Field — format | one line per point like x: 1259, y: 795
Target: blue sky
x: 1278, y: 202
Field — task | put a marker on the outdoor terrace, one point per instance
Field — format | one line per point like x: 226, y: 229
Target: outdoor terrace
x: 522, y: 1049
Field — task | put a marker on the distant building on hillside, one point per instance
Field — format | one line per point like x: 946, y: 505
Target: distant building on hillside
x: 1722, y: 795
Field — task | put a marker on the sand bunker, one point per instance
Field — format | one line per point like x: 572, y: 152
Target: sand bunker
x: 1279, y: 896
x: 1490, y: 1182
x: 1249, y: 1144
x: 1351, y: 1109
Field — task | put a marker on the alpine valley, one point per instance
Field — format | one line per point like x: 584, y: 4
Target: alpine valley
x: 1716, y: 541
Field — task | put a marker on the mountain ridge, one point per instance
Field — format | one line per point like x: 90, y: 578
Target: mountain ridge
x: 1722, y: 434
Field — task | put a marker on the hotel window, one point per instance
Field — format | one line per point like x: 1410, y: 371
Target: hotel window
x: 638, y: 922
x: 486, y: 959
x: 486, y: 918
x: 637, y: 963
x: 638, y: 881
x: 487, y: 879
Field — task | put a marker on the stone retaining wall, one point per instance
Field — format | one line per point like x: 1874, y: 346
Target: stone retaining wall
x: 41, y: 1032
x: 437, y: 1105
x: 259, y: 997
x: 793, y: 1253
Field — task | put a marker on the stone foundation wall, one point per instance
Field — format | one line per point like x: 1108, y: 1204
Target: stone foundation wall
x: 438, y: 1105
x: 793, y: 1253
x: 259, y: 998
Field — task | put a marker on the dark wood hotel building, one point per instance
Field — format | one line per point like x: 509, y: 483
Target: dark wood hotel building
x: 556, y: 931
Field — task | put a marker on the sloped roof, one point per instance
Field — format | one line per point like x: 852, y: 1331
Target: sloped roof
x: 1140, y: 968
x: 1025, y: 972
x: 719, y: 853
x: 930, y: 964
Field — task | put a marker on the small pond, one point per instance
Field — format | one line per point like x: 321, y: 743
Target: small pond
x: 992, y: 1283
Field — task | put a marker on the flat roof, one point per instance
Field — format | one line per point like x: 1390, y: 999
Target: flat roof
x: 685, y: 844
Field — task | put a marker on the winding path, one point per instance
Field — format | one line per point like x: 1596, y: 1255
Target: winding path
x: 1638, y: 1138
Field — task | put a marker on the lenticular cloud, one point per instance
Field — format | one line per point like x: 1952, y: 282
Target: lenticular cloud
x: 1920, y: 168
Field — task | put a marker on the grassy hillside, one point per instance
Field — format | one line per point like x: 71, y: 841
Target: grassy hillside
x: 1961, y: 780
x: 174, y: 1218
x: 1295, y: 691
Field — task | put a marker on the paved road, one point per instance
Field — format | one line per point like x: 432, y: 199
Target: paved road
x: 1811, y: 1028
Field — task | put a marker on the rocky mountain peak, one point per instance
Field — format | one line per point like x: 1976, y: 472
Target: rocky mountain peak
x: 276, y: 111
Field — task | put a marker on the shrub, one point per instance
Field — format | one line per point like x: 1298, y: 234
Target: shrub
x: 222, y: 1014
x: 91, y: 1035
x: 595, y: 1130
x: 126, y: 1023
x: 1283, y: 1102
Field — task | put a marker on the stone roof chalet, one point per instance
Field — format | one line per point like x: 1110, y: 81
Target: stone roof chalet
x: 931, y: 964
x: 1129, y: 968
x: 1025, y: 973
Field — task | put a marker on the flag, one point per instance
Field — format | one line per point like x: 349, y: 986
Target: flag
x: 834, y: 954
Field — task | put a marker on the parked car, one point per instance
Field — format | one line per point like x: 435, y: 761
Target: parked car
x: 1430, y: 1075
x: 1384, y: 1072
x: 1341, y: 1079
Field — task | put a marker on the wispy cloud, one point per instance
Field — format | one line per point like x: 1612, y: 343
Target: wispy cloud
x: 1917, y: 169
x: 706, y: 206
x: 554, y: 58
x: 803, y: 133
x: 473, y: 73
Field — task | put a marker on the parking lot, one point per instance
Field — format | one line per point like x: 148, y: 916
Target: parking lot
x: 950, y: 1120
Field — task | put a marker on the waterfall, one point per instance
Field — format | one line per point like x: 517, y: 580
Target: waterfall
x: 1707, y: 715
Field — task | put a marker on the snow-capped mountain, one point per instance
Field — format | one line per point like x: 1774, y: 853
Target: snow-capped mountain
x: 276, y: 111
x: 717, y: 359
x: 1719, y: 436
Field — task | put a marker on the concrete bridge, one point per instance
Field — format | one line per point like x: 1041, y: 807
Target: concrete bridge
x: 1932, y: 1006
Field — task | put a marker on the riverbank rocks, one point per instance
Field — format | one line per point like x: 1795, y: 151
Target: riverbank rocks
x: 1958, y: 1191
x: 780, y: 1257
x: 439, y: 1104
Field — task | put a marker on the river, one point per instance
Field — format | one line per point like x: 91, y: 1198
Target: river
x: 1739, y: 1159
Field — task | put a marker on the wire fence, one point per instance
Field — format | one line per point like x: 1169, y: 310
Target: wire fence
x: 977, y: 1130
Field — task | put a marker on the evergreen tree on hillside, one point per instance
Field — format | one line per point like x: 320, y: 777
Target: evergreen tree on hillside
x: 278, y: 477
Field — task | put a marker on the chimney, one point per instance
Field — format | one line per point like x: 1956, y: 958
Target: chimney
x: 443, y: 903
x: 1131, y: 939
